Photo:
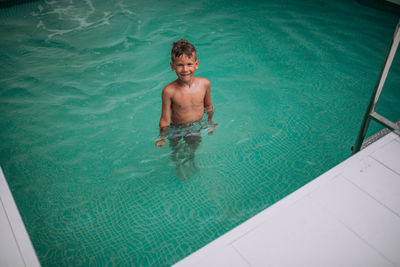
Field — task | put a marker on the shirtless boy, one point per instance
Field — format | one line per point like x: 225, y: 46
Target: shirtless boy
x: 185, y: 100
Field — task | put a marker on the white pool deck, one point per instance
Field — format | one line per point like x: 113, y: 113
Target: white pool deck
x: 349, y: 216
x: 15, y: 246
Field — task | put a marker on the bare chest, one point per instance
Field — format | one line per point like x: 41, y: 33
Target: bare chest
x: 187, y: 99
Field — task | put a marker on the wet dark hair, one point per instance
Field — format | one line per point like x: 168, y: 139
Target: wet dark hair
x: 182, y: 47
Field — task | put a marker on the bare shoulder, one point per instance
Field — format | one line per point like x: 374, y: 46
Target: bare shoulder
x: 169, y: 89
x: 204, y: 82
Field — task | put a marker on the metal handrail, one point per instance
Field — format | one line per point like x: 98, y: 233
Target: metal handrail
x: 370, y: 112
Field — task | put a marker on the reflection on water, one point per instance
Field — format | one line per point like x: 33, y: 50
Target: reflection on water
x: 184, y: 139
x: 183, y: 154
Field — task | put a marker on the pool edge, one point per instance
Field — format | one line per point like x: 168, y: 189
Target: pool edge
x: 14, y: 232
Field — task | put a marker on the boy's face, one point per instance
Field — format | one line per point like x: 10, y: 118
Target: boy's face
x: 185, y: 67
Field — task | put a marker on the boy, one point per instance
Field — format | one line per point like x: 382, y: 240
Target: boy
x: 184, y: 101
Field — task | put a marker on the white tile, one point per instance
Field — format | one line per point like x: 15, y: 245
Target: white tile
x: 389, y: 155
x: 17, y: 226
x: 376, y: 145
x: 373, y: 222
x: 306, y: 235
x: 374, y: 178
x: 226, y: 257
x: 9, y: 251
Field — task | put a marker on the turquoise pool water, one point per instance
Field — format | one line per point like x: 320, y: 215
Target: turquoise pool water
x: 80, y: 86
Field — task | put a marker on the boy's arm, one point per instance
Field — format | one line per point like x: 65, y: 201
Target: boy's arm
x: 165, y: 119
x: 208, y: 106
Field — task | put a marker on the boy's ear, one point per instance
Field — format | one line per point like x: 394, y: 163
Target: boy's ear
x: 197, y: 64
x: 172, y: 65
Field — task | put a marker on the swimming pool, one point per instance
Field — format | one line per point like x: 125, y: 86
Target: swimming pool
x: 80, y: 104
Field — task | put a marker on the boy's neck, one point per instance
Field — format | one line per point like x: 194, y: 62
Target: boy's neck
x: 183, y: 83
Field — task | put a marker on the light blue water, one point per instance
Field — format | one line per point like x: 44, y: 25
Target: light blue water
x: 80, y: 85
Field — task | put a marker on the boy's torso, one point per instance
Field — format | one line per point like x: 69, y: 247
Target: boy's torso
x: 187, y: 103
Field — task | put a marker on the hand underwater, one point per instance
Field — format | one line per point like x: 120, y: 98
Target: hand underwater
x: 160, y: 143
x: 212, y: 129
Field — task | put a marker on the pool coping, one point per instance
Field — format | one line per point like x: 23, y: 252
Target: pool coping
x: 16, y: 248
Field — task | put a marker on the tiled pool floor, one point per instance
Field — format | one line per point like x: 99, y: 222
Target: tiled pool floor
x: 349, y: 216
